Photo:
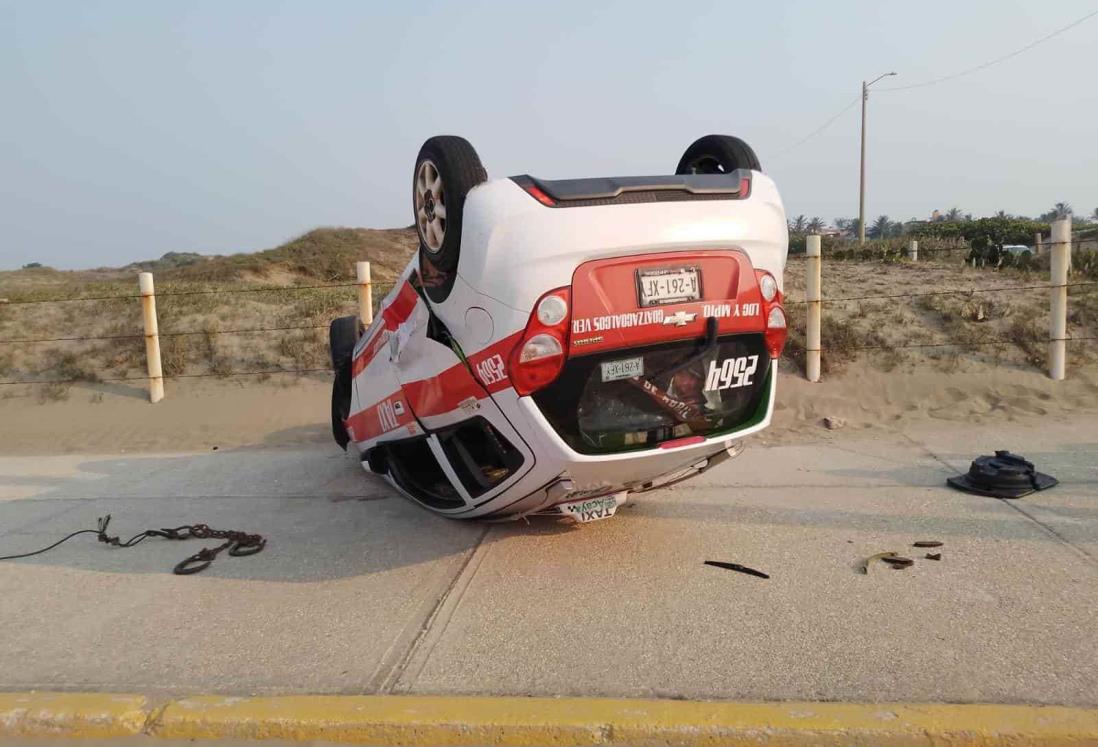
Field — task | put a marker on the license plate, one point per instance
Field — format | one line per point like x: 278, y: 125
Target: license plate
x: 625, y: 368
x: 668, y: 285
x: 593, y: 509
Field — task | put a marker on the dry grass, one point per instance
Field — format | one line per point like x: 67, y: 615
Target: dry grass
x: 958, y: 326
x: 884, y: 331
x: 320, y: 257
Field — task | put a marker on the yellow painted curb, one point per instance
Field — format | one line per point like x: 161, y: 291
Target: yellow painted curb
x: 420, y: 720
x: 72, y: 714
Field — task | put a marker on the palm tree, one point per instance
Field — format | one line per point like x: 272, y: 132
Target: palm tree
x: 880, y: 227
x: 815, y: 225
x: 1002, y: 214
x: 954, y: 215
x: 1062, y: 209
x: 797, y: 225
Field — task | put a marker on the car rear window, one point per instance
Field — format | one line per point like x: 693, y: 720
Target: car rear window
x: 635, y: 399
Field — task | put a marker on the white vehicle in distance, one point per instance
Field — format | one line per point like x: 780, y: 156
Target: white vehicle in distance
x: 557, y: 345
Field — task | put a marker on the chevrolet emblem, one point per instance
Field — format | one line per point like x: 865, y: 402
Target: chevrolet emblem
x: 680, y: 318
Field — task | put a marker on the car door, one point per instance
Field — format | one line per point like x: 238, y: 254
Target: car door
x: 475, y: 444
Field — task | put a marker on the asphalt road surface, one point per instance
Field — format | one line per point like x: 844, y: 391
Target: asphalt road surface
x: 360, y: 591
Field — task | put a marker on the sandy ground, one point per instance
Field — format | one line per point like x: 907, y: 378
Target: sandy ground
x: 207, y: 414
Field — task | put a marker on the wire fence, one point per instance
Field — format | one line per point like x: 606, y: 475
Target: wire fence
x: 169, y: 293
x: 210, y: 331
x: 98, y: 379
x: 953, y: 292
x: 874, y: 249
x: 966, y: 344
x: 1019, y: 320
x: 140, y: 336
x: 207, y: 332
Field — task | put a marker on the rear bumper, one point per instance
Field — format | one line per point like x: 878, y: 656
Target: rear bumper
x: 514, y: 248
x: 622, y: 470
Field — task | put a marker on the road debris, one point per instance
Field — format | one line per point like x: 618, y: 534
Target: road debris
x: 926, y: 543
x: 897, y: 561
x: 239, y: 544
x: 933, y: 556
x: 833, y: 423
x: 1003, y: 475
x: 736, y: 567
x: 874, y: 558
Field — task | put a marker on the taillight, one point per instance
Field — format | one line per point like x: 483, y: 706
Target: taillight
x: 774, y: 313
x: 538, y: 359
x: 539, y: 194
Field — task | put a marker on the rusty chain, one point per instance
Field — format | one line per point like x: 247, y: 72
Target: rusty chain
x: 239, y: 544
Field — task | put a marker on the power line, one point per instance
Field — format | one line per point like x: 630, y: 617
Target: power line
x: 943, y: 79
x: 995, y: 61
x: 818, y: 130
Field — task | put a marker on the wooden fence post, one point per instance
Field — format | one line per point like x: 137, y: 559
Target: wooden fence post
x: 1060, y: 259
x: 365, y: 293
x: 814, y: 296
x: 152, y: 336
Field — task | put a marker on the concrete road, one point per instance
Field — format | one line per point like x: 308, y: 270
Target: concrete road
x: 362, y: 592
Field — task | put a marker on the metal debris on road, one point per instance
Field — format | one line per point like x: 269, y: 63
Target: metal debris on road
x: 926, y: 543
x: 933, y: 556
x: 873, y: 558
x: 898, y: 562
x: 736, y: 567
x: 1003, y: 475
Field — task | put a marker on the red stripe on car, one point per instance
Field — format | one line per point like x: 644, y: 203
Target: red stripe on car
x: 385, y: 416
x: 392, y: 316
x: 437, y: 395
x: 445, y: 392
x: 401, y: 308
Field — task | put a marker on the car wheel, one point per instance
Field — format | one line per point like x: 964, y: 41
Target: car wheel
x: 446, y: 169
x: 717, y: 154
x: 343, y: 333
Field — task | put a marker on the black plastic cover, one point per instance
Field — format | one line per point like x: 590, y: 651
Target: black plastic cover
x: 611, y: 187
x: 1003, y: 475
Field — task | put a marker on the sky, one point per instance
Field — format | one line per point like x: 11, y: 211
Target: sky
x: 131, y: 129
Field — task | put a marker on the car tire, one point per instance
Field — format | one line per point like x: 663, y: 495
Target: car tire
x: 717, y: 154
x: 343, y: 333
x: 447, y: 167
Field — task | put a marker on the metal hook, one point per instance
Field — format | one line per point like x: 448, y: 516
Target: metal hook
x: 197, y: 563
x: 240, y: 551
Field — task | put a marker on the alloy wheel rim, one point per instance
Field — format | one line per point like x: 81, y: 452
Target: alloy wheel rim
x: 430, y: 206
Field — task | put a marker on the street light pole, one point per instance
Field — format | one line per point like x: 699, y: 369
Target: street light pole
x: 861, y: 184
